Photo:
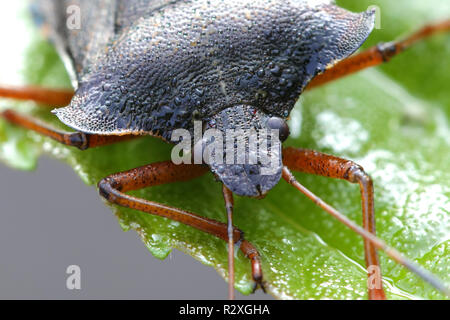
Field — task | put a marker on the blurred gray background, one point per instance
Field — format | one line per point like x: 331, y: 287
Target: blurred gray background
x: 49, y: 220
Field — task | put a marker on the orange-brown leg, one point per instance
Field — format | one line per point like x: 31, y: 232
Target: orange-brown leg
x: 376, y: 55
x: 113, y: 189
x: 48, y: 97
x: 329, y: 166
x: 75, y: 139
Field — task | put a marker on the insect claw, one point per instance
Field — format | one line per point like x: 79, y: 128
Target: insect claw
x: 263, y: 287
x: 260, y: 284
x: 255, y: 286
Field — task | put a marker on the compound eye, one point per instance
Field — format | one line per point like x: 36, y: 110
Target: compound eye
x: 279, y: 124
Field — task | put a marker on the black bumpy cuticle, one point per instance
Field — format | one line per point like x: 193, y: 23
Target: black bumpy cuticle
x: 159, y: 57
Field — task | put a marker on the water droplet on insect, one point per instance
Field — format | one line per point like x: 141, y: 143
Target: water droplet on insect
x: 199, y: 92
x: 276, y: 71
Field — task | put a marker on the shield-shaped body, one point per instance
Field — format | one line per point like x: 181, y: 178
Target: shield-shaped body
x: 150, y: 67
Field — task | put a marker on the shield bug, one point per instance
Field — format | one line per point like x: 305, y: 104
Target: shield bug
x: 153, y: 67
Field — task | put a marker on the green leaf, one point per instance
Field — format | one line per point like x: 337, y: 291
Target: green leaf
x: 393, y: 120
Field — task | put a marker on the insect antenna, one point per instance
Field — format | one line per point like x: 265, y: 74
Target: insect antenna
x: 377, y: 242
x: 229, y: 203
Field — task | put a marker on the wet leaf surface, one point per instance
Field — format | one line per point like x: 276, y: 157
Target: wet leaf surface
x: 393, y: 120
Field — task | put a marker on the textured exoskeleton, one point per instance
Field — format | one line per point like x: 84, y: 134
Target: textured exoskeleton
x: 149, y: 67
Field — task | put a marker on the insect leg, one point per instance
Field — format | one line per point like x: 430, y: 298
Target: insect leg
x: 321, y: 164
x: 75, y: 139
x: 113, y: 189
x: 48, y: 97
x: 376, y: 55
x: 229, y: 203
x: 324, y: 165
